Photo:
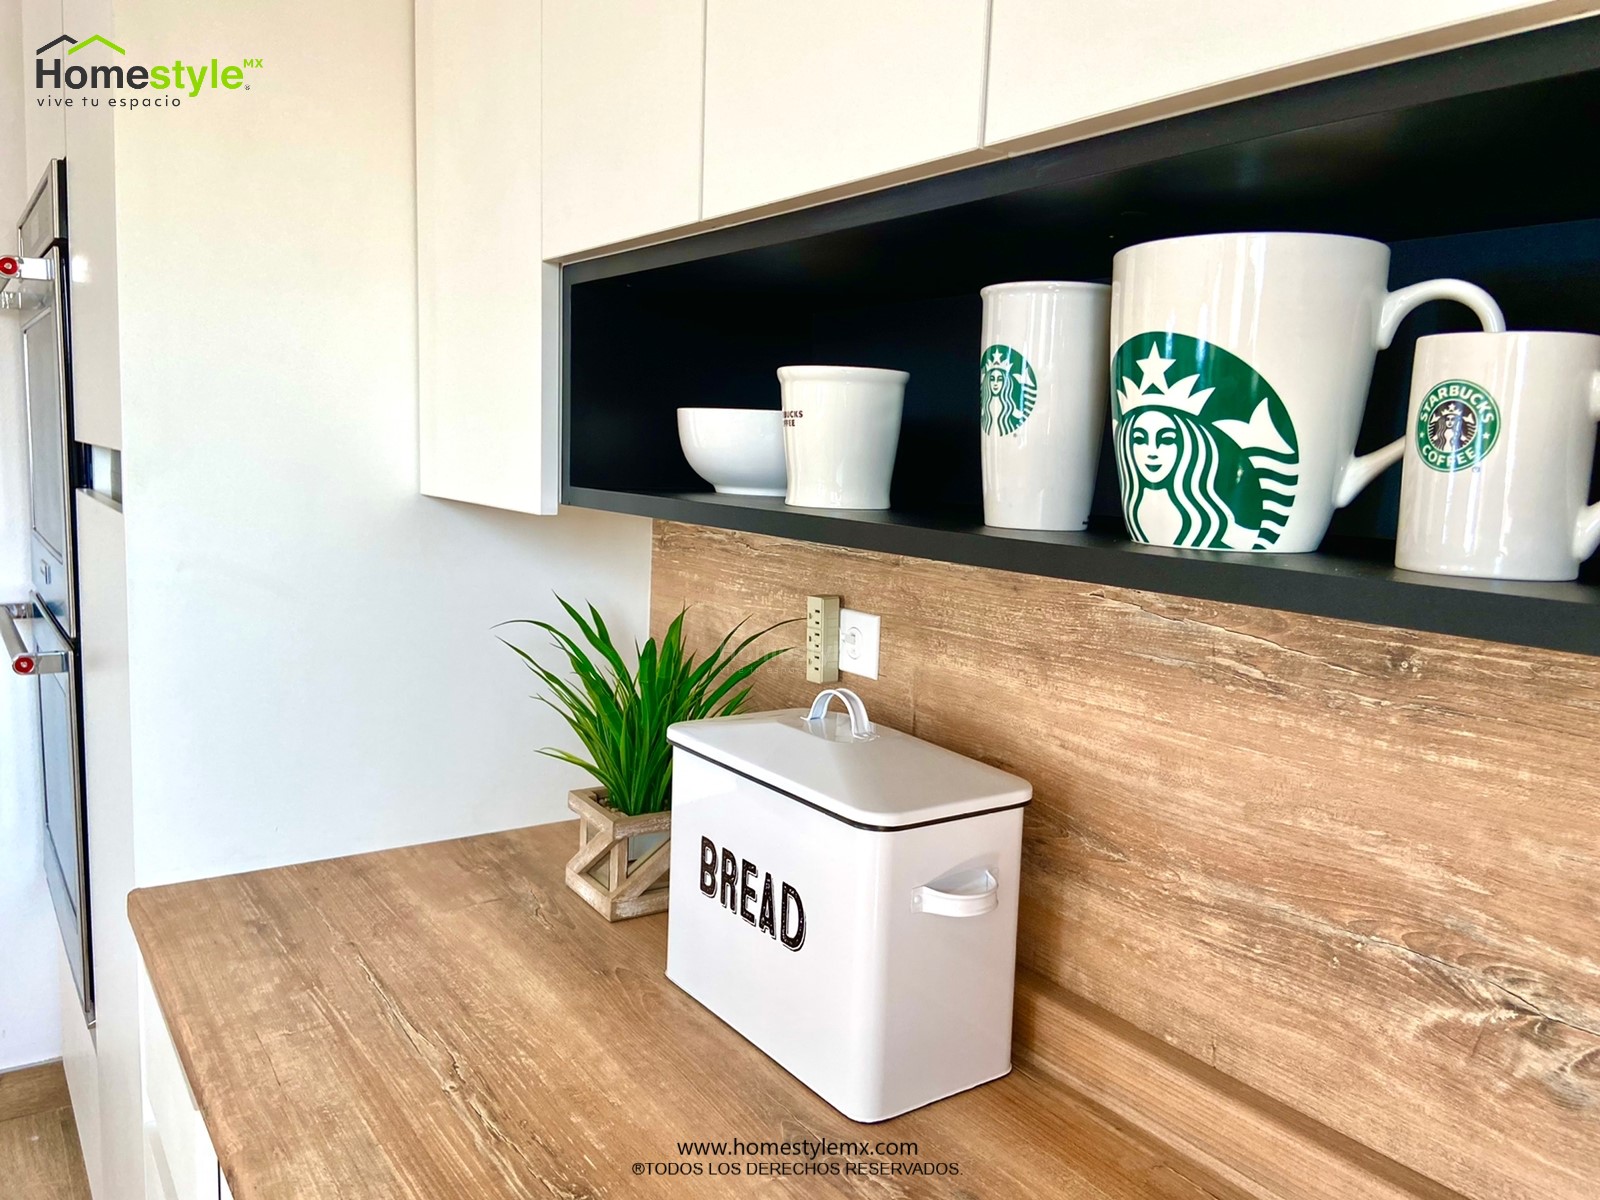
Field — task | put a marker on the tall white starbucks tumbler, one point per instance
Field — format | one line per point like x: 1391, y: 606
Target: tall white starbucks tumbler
x: 841, y: 427
x: 1043, y: 380
x: 1499, y: 446
x: 1239, y: 370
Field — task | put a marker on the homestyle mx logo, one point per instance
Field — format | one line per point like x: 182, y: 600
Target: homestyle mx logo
x: 54, y: 70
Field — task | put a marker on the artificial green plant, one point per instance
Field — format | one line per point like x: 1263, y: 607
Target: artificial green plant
x: 620, y: 716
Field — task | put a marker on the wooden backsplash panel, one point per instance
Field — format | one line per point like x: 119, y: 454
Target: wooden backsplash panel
x: 1355, y: 868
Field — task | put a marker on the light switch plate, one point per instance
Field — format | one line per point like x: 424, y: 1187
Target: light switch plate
x: 858, y: 643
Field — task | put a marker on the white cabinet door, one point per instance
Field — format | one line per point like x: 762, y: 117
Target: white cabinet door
x: 806, y: 97
x: 622, y: 91
x: 1055, y: 63
x: 486, y: 306
x: 92, y: 235
x: 178, y: 1148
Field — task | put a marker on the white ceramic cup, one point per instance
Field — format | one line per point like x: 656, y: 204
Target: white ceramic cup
x: 1043, y: 375
x: 841, y: 427
x: 1239, y: 372
x: 1499, y: 446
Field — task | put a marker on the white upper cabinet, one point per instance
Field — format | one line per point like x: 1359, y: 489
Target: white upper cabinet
x: 1056, y: 63
x: 92, y: 235
x: 44, y: 127
x: 486, y: 306
x: 622, y: 92
x: 804, y: 97
x: 82, y: 136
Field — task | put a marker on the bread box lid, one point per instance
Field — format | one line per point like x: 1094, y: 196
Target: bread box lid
x: 864, y: 774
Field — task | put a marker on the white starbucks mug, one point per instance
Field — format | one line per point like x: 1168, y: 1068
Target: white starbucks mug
x: 1239, y: 371
x: 841, y: 429
x: 1043, y: 378
x: 1499, y: 447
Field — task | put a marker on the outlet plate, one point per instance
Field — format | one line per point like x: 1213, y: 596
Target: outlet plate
x: 858, y: 643
x: 822, y: 639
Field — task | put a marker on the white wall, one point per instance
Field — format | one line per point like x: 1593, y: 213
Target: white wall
x: 313, y: 665
x: 30, y: 1030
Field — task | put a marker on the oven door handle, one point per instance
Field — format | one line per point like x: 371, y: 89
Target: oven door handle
x: 26, y: 274
x: 23, y: 660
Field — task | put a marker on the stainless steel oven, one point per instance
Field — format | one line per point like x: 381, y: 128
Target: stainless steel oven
x: 42, y: 294
x: 41, y: 632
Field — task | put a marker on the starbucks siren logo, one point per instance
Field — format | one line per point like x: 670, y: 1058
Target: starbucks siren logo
x: 1010, y: 389
x: 1457, y: 425
x: 1207, y: 459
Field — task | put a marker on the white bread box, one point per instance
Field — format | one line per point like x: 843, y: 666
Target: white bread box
x: 845, y: 897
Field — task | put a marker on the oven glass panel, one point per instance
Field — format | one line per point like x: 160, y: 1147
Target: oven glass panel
x: 45, y: 430
x: 60, y: 783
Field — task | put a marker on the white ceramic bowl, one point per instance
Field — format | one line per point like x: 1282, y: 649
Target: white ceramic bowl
x: 738, y: 451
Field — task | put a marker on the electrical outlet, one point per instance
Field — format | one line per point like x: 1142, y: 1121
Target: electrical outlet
x: 822, y: 639
x: 858, y: 643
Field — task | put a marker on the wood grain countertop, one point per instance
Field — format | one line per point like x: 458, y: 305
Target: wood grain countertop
x: 449, y: 1021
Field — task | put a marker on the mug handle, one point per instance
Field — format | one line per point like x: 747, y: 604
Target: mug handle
x: 1586, y: 537
x: 1362, y: 469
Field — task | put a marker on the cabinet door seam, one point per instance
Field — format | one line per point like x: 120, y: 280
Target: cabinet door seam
x: 983, y: 81
x: 705, y: 38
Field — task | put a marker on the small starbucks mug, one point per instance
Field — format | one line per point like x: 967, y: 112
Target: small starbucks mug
x: 1042, y: 380
x: 1499, y: 446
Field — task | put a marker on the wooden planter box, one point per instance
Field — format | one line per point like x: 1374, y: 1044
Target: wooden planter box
x: 600, y: 871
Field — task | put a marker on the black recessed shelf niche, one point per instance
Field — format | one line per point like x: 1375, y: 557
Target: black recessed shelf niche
x: 1476, y: 163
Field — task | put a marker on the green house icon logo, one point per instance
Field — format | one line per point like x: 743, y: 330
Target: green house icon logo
x: 74, y: 45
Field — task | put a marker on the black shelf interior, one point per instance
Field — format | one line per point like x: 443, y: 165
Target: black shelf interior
x: 1470, y: 163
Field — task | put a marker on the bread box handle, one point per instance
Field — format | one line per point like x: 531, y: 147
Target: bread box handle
x: 860, y: 727
x: 986, y: 898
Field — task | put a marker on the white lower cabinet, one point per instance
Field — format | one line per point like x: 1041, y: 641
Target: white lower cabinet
x: 180, y: 1163
x: 157, y: 1175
